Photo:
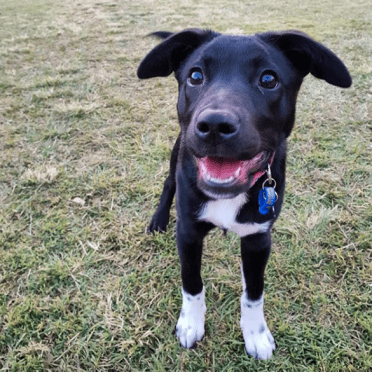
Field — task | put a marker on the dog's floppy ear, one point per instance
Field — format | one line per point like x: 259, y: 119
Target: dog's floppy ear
x: 308, y: 55
x: 167, y: 56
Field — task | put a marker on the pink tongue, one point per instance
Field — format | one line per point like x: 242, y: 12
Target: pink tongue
x: 221, y: 168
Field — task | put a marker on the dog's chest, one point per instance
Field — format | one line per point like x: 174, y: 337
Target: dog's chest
x: 223, y: 213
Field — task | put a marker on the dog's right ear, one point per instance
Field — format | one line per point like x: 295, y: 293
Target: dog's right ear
x: 167, y: 56
x: 307, y: 55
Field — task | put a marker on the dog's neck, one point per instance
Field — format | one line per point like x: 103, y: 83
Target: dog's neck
x: 260, y: 173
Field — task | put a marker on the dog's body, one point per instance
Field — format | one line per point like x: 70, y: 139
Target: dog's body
x: 236, y: 107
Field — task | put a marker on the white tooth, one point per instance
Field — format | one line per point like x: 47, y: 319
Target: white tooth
x: 203, y: 169
x: 237, y: 172
x: 220, y: 182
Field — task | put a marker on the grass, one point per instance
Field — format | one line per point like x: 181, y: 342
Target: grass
x: 84, y: 149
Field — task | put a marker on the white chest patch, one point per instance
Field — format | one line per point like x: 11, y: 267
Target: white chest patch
x: 223, y: 212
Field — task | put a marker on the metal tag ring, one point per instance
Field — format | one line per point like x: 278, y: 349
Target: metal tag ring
x: 269, y: 180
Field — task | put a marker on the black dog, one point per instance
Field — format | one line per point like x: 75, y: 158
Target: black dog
x: 236, y: 107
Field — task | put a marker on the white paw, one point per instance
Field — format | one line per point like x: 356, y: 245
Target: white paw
x: 259, y: 345
x: 190, y: 325
x: 258, y: 340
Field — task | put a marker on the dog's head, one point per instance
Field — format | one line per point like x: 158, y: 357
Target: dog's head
x: 237, y: 96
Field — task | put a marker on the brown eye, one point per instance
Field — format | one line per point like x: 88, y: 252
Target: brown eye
x: 268, y: 80
x: 196, y: 77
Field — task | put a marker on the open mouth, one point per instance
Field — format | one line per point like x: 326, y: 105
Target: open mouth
x: 224, y: 172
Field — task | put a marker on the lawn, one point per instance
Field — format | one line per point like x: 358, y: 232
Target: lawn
x: 84, y: 151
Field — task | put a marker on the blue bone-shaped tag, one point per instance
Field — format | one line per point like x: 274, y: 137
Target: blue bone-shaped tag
x: 266, y: 199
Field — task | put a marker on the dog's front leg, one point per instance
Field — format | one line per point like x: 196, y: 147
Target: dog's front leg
x: 255, y: 250
x: 160, y: 219
x: 190, y: 325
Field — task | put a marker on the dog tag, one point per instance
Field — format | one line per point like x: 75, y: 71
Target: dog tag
x: 266, y: 199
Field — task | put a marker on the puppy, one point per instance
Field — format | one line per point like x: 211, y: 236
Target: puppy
x: 236, y: 108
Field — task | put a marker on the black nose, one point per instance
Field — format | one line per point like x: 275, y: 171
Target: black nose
x: 215, y: 125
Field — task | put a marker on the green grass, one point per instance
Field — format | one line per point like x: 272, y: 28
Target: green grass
x: 84, y: 149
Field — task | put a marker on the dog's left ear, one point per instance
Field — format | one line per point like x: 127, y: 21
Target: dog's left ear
x: 307, y: 55
x: 169, y: 54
